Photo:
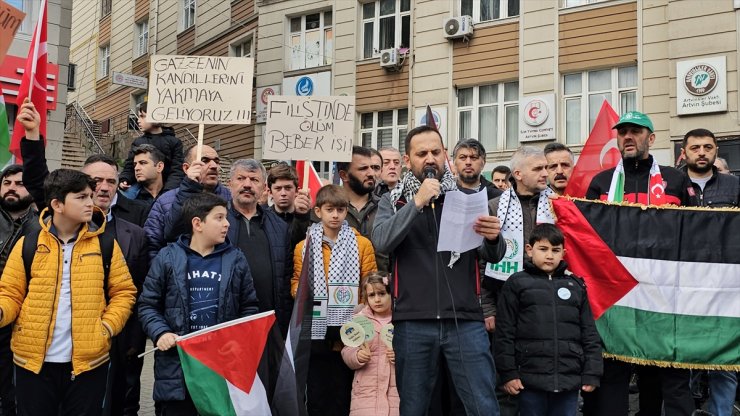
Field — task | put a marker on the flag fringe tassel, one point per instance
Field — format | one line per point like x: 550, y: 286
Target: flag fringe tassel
x: 667, y: 364
x: 643, y: 206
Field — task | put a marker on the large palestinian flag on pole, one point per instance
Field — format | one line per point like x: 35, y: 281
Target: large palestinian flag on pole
x: 220, y: 366
x: 663, y: 282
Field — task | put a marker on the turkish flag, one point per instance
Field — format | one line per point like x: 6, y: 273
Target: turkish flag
x: 600, y: 152
x: 36, y: 65
x: 313, y: 182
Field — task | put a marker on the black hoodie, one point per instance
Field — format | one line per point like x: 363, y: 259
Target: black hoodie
x: 168, y: 144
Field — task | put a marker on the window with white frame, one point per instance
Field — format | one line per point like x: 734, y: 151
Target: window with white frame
x: 386, y: 24
x: 585, y: 92
x: 242, y: 48
x: 489, y: 113
x: 25, y: 7
x: 188, y: 13
x: 385, y: 128
x: 574, y: 3
x: 104, y: 56
x: 311, y: 40
x: 142, y: 39
x: 484, y: 10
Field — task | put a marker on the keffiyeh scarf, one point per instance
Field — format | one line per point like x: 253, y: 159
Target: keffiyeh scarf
x: 335, y: 297
x: 512, y: 231
x: 410, y: 184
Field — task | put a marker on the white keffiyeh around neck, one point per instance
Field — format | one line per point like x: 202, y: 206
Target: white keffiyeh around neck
x: 335, y: 297
x: 512, y: 231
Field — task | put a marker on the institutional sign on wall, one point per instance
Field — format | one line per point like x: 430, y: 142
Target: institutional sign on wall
x: 200, y: 89
x: 701, y: 85
x: 537, y: 118
x: 263, y: 95
x: 129, y: 80
x: 309, y: 128
x: 317, y: 84
x: 439, y: 114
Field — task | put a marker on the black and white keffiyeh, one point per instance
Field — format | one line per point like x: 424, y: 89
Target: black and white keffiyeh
x: 410, y: 184
x: 512, y: 231
x: 333, y: 302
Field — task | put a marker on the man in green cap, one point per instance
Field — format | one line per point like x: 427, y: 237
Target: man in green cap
x: 639, y: 179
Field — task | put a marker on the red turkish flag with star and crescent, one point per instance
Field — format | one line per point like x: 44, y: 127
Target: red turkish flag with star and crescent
x: 600, y: 152
x: 36, y: 65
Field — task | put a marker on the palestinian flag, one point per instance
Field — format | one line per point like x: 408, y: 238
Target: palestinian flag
x: 289, y: 398
x: 663, y: 283
x: 220, y: 366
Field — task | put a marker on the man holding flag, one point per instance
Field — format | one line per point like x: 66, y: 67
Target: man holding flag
x: 639, y: 179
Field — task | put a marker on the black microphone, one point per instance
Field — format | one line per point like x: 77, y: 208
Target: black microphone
x: 430, y: 172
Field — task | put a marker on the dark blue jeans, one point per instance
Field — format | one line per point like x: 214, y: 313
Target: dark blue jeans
x: 545, y: 403
x: 418, y: 345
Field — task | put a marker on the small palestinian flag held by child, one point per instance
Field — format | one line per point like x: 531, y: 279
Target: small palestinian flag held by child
x: 220, y: 366
x: 663, y: 282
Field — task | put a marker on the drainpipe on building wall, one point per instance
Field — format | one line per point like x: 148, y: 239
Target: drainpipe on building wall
x: 156, y: 26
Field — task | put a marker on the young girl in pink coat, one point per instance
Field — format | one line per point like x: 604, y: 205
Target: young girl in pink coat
x: 374, y: 387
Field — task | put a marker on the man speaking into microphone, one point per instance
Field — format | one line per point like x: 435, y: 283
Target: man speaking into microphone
x: 435, y: 294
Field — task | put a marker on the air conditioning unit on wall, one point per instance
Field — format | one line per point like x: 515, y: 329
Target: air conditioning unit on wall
x: 458, y: 27
x: 390, y: 59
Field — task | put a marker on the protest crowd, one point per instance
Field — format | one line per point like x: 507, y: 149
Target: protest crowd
x: 95, y: 262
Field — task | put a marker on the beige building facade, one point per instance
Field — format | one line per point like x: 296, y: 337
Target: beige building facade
x: 112, y: 42
x: 573, y: 54
x: 531, y: 72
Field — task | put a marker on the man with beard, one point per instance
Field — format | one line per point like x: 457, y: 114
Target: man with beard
x: 164, y: 224
x: 716, y: 190
x: 469, y: 158
x: 519, y: 209
x: 359, y: 177
x: 711, y: 188
x: 17, y: 218
x: 560, y: 165
x: 644, y: 182
x: 263, y: 237
x: 390, y: 173
x: 125, y: 371
x: 435, y: 294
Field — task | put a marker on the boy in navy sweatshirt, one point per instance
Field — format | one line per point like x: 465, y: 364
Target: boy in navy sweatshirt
x: 197, y: 282
x: 547, y: 347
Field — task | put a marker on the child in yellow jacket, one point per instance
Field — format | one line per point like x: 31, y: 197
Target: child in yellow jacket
x: 337, y: 257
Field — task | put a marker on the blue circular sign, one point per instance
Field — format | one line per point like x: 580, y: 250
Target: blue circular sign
x: 304, y: 87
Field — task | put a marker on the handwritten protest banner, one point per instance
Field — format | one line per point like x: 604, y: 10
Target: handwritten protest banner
x: 200, y: 89
x: 10, y: 20
x: 309, y: 128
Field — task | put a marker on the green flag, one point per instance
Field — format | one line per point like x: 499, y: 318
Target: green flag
x: 5, y: 154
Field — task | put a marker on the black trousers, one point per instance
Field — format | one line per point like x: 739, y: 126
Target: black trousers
x: 664, y: 387
x: 177, y: 407
x: 124, y: 381
x: 329, y: 384
x: 54, y: 392
x: 7, y: 390
x: 612, y: 397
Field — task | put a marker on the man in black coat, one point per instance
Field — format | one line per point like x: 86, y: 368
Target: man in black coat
x: 17, y: 218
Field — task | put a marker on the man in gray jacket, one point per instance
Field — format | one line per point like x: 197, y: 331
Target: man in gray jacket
x: 436, y: 295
